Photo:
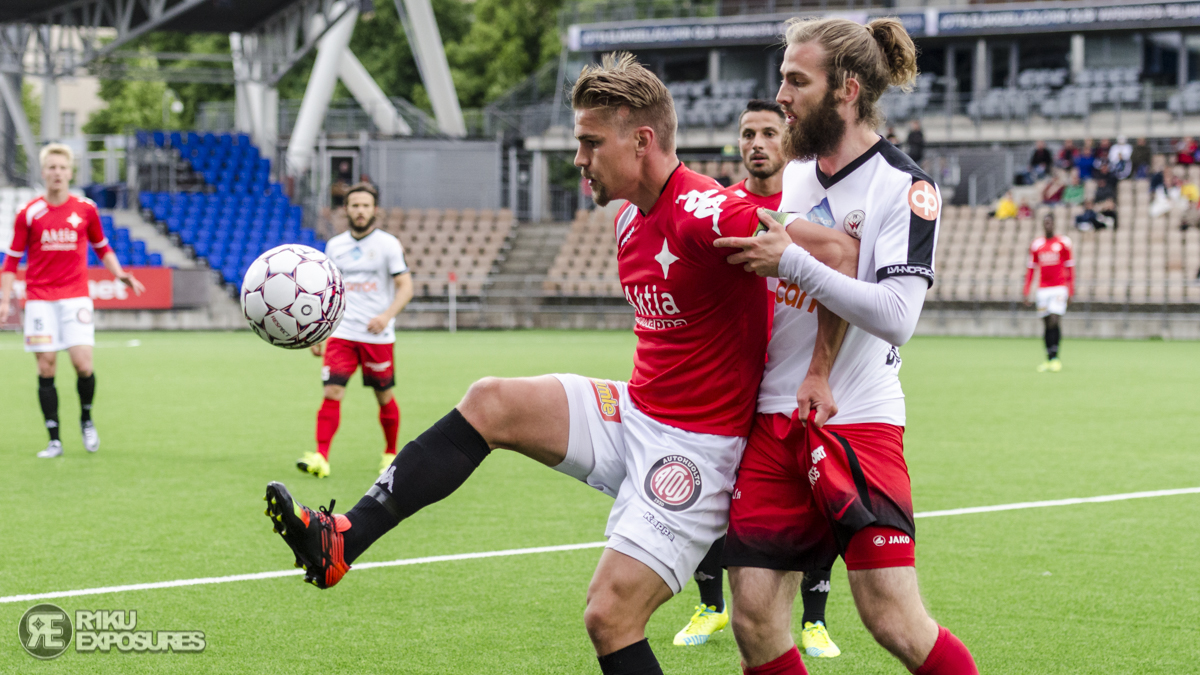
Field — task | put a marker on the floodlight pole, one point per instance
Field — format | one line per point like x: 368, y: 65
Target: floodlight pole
x: 12, y: 100
x: 420, y: 25
x: 318, y: 92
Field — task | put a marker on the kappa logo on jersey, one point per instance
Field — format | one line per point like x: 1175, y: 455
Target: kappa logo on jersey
x: 673, y: 483
x: 893, y: 357
x: 607, y: 400
x: 853, y: 223
x: 821, y: 214
x: 923, y: 200
x: 704, y: 204
x: 791, y: 295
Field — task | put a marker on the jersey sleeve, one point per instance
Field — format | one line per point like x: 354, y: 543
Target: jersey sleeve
x: 908, y: 233
x: 708, y: 216
x: 95, y: 231
x: 20, y: 240
x: 395, y: 259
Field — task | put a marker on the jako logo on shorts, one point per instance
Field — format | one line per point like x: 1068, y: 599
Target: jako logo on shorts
x: 608, y: 400
x: 673, y: 483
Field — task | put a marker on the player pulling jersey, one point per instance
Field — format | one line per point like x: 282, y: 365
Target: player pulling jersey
x: 890, y: 205
x: 58, y: 311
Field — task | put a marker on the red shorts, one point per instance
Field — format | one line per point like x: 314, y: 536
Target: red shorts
x: 342, y: 358
x: 805, y: 495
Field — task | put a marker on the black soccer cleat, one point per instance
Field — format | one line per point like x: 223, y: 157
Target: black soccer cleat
x: 315, y: 537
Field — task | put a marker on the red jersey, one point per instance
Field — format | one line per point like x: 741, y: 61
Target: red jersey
x: 701, y: 341
x: 56, y: 238
x: 740, y: 190
x: 1053, y: 257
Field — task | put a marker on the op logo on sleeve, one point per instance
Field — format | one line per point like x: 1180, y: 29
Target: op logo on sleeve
x: 923, y: 200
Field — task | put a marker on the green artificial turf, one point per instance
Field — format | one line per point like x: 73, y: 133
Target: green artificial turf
x: 194, y: 425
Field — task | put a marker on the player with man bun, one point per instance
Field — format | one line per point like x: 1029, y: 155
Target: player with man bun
x: 55, y: 230
x: 666, y: 444
x: 807, y: 492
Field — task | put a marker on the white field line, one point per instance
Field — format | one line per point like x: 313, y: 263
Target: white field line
x: 550, y: 549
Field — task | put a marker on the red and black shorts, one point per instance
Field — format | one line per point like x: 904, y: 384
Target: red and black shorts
x: 805, y: 495
x: 343, y: 357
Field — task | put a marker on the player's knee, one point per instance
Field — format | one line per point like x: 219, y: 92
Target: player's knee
x: 891, y: 630
x: 484, y: 408
x: 334, y: 392
x: 604, y: 619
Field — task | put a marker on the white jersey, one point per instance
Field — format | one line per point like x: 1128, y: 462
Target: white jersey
x: 885, y: 200
x: 367, y: 266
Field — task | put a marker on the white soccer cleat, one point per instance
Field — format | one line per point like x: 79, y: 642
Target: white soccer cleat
x: 91, y: 437
x: 54, y: 449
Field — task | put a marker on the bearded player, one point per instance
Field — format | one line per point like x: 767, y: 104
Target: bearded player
x: 666, y: 444
x: 760, y: 129
x: 55, y: 230
x: 806, y: 492
x: 378, y: 286
x: 1051, y: 257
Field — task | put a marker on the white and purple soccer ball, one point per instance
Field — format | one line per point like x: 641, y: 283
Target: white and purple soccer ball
x: 293, y: 296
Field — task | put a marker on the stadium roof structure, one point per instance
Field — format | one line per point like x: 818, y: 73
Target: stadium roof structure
x: 217, y: 16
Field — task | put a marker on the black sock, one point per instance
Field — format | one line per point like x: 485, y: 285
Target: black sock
x: 427, y: 470
x: 636, y: 659
x: 814, y: 590
x: 48, y: 397
x: 709, y: 576
x: 86, y: 386
x: 1053, y: 335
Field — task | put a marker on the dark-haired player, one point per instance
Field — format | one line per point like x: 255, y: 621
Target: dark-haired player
x: 378, y: 286
x: 806, y: 492
x: 760, y: 129
x: 1051, y: 257
x: 666, y: 444
x: 55, y: 230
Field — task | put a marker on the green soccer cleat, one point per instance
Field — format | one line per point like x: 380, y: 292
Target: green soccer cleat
x: 315, y: 464
x: 706, y: 621
x: 1044, y: 367
x: 388, y: 458
x: 1055, y: 365
x: 315, y: 537
x: 816, y: 641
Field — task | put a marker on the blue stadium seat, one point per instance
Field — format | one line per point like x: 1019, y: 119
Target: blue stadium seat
x: 176, y: 139
x: 159, y: 138
x: 154, y: 260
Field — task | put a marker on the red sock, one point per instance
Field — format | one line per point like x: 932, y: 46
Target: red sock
x: 328, y: 418
x: 788, y: 664
x: 948, y: 657
x: 389, y: 419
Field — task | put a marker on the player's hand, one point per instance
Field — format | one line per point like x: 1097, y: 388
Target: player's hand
x: 1028, y: 302
x: 132, y: 282
x: 815, y: 394
x: 318, y: 349
x: 378, y: 324
x: 760, y: 254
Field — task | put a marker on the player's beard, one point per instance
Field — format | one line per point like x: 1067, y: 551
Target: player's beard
x: 817, y: 134
x: 365, y: 228
x: 599, y: 193
x: 766, y: 171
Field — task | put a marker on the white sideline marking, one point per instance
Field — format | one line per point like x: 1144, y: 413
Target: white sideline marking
x: 550, y: 549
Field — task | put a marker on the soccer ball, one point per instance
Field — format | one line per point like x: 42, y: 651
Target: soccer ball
x: 293, y: 296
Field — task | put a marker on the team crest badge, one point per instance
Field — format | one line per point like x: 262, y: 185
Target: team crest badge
x: 673, y: 483
x: 853, y: 223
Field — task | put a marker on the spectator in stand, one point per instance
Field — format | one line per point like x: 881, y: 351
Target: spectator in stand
x: 1189, y: 191
x: 1024, y: 210
x: 1066, y: 156
x: 1006, y: 208
x: 1102, y: 152
x: 1041, y: 160
x: 1139, y: 159
x: 916, y: 142
x: 1096, y: 217
x: 1106, y: 214
x: 892, y: 138
x: 1086, y: 221
x: 1190, y: 217
x: 1119, y: 158
x: 1106, y: 183
x: 1083, y: 160
x: 1167, y: 196
x: 1186, y: 151
x: 1053, y: 192
x: 1073, y: 194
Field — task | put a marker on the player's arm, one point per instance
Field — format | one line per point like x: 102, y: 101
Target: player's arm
x: 761, y: 253
x: 814, y: 392
x: 1069, y: 269
x: 404, y: 293
x: 12, y: 258
x: 1031, y: 268
x: 114, y: 267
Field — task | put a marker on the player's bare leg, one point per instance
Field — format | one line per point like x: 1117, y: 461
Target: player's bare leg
x: 85, y: 385
x: 623, y: 594
x: 890, y: 606
x: 762, y: 622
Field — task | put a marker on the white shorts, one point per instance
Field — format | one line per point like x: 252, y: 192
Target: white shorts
x: 54, y: 325
x: 1052, y: 300
x: 672, y: 487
